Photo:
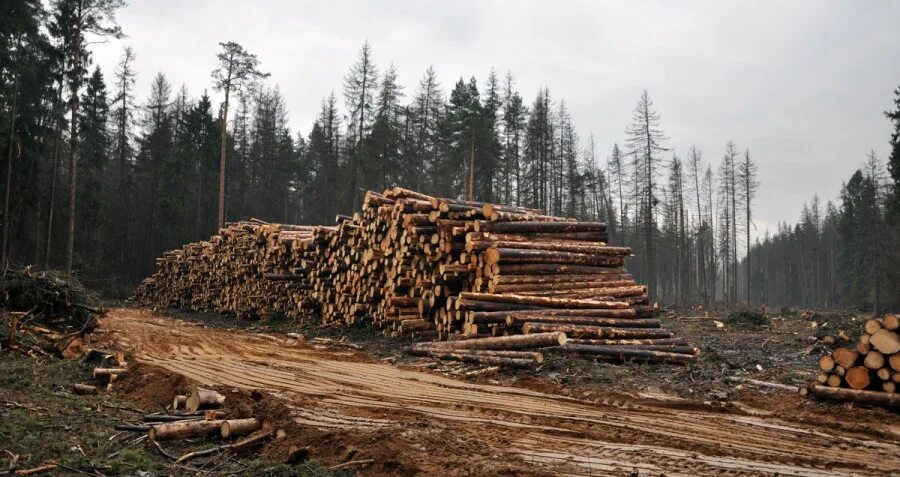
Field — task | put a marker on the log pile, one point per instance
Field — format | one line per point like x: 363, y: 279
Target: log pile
x: 433, y: 269
x: 868, y: 373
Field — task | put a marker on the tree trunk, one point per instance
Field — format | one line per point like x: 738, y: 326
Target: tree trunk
x: 223, y: 156
x: 202, y: 398
x: 535, y: 340
x: 4, y: 247
x: 184, y: 430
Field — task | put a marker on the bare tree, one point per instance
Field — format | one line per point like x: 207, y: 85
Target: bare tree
x: 645, y: 143
x: 237, y: 70
x: 749, y: 185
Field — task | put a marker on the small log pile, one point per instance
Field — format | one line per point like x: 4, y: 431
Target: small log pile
x: 250, y: 269
x: 433, y: 269
x: 868, y: 373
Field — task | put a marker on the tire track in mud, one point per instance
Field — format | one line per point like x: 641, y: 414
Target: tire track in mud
x: 560, y: 433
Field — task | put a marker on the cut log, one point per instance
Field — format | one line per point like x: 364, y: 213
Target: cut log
x: 885, y: 341
x: 179, y: 401
x: 826, y: 363
x: 587, y: 331
x: 879, y: 398
x: 539, y: 227
x: 203, y: 398
x: 858, y: 377
x: 889, y: 387
x: 240, y: 427
x: 544, y: 301
x: 184, y: 430
x: 514, y: 318
x: 872, y: 326
x: 98, y: 372
x: 84, y: 389
x: 623, y: 354
x: 874, y: 360
x: 461, y: 355
x: 844, y: 357
x: 891, y: 322
x: 529, y: 341
x: 894, y: 361
x: 632, y: 342
x: 530, y: 355
x: 834, y: 381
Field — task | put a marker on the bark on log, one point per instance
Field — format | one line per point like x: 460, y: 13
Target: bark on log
x: 98, y: 372
x: 548, y: 269
x: 545, y: 301
x: 522, y: 255
x: 623, y: 354
x: 473, y: 244
x: 179, y: 401
x: 631, y: 342
x: 184, y: 430
x: 515, y: 318
x: 539, y: 227
x: 84, y: 389
x: 240, y: 427
x: 202, y: 398
x: 531, y: 355
x: 879, y: 398
x: 511, y: 342
x: 462, y: 355
x: 586, y: 331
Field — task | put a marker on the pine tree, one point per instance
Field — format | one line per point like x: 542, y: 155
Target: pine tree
x: 748, y: 183
x: 385, y: 144
x: 645, y: 145
x: 514, y: 114
x: 427, y: 118
x: 237, y: 70
x: 93, y: 164
x: 894, y: 158
x: 359, y: 90
x: 96, y: 17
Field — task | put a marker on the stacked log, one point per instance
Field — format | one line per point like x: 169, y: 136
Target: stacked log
x: 433, y: 269
x: 867, y: 373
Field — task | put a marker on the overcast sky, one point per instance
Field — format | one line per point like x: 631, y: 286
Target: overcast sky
x: 801, y: 84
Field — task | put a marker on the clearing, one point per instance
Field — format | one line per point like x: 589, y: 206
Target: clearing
x: 342, y: 402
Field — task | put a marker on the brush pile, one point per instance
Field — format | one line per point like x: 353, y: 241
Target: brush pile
x: 46, y: 304
x: 868, y: 373
x: 494, y: 281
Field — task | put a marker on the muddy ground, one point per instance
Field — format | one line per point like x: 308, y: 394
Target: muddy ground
x: 351, y: 395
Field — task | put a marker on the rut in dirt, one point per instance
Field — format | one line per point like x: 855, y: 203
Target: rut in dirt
x: 350, y: 390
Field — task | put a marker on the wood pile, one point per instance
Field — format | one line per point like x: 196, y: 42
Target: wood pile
x: 868, y: 373
x: 447, y: 271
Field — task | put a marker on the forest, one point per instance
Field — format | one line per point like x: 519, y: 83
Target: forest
x: 99, y: 179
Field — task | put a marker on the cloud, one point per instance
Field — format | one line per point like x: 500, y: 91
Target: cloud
x: 801, y: 84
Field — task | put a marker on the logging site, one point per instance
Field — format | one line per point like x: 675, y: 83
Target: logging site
x: 347, y: 239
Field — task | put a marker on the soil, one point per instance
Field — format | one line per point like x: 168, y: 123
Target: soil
x: 573, y: 416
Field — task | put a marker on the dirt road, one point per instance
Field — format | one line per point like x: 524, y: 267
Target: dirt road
x: 442, y: 426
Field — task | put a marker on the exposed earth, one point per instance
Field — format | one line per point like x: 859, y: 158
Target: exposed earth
x: 572, y: 417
